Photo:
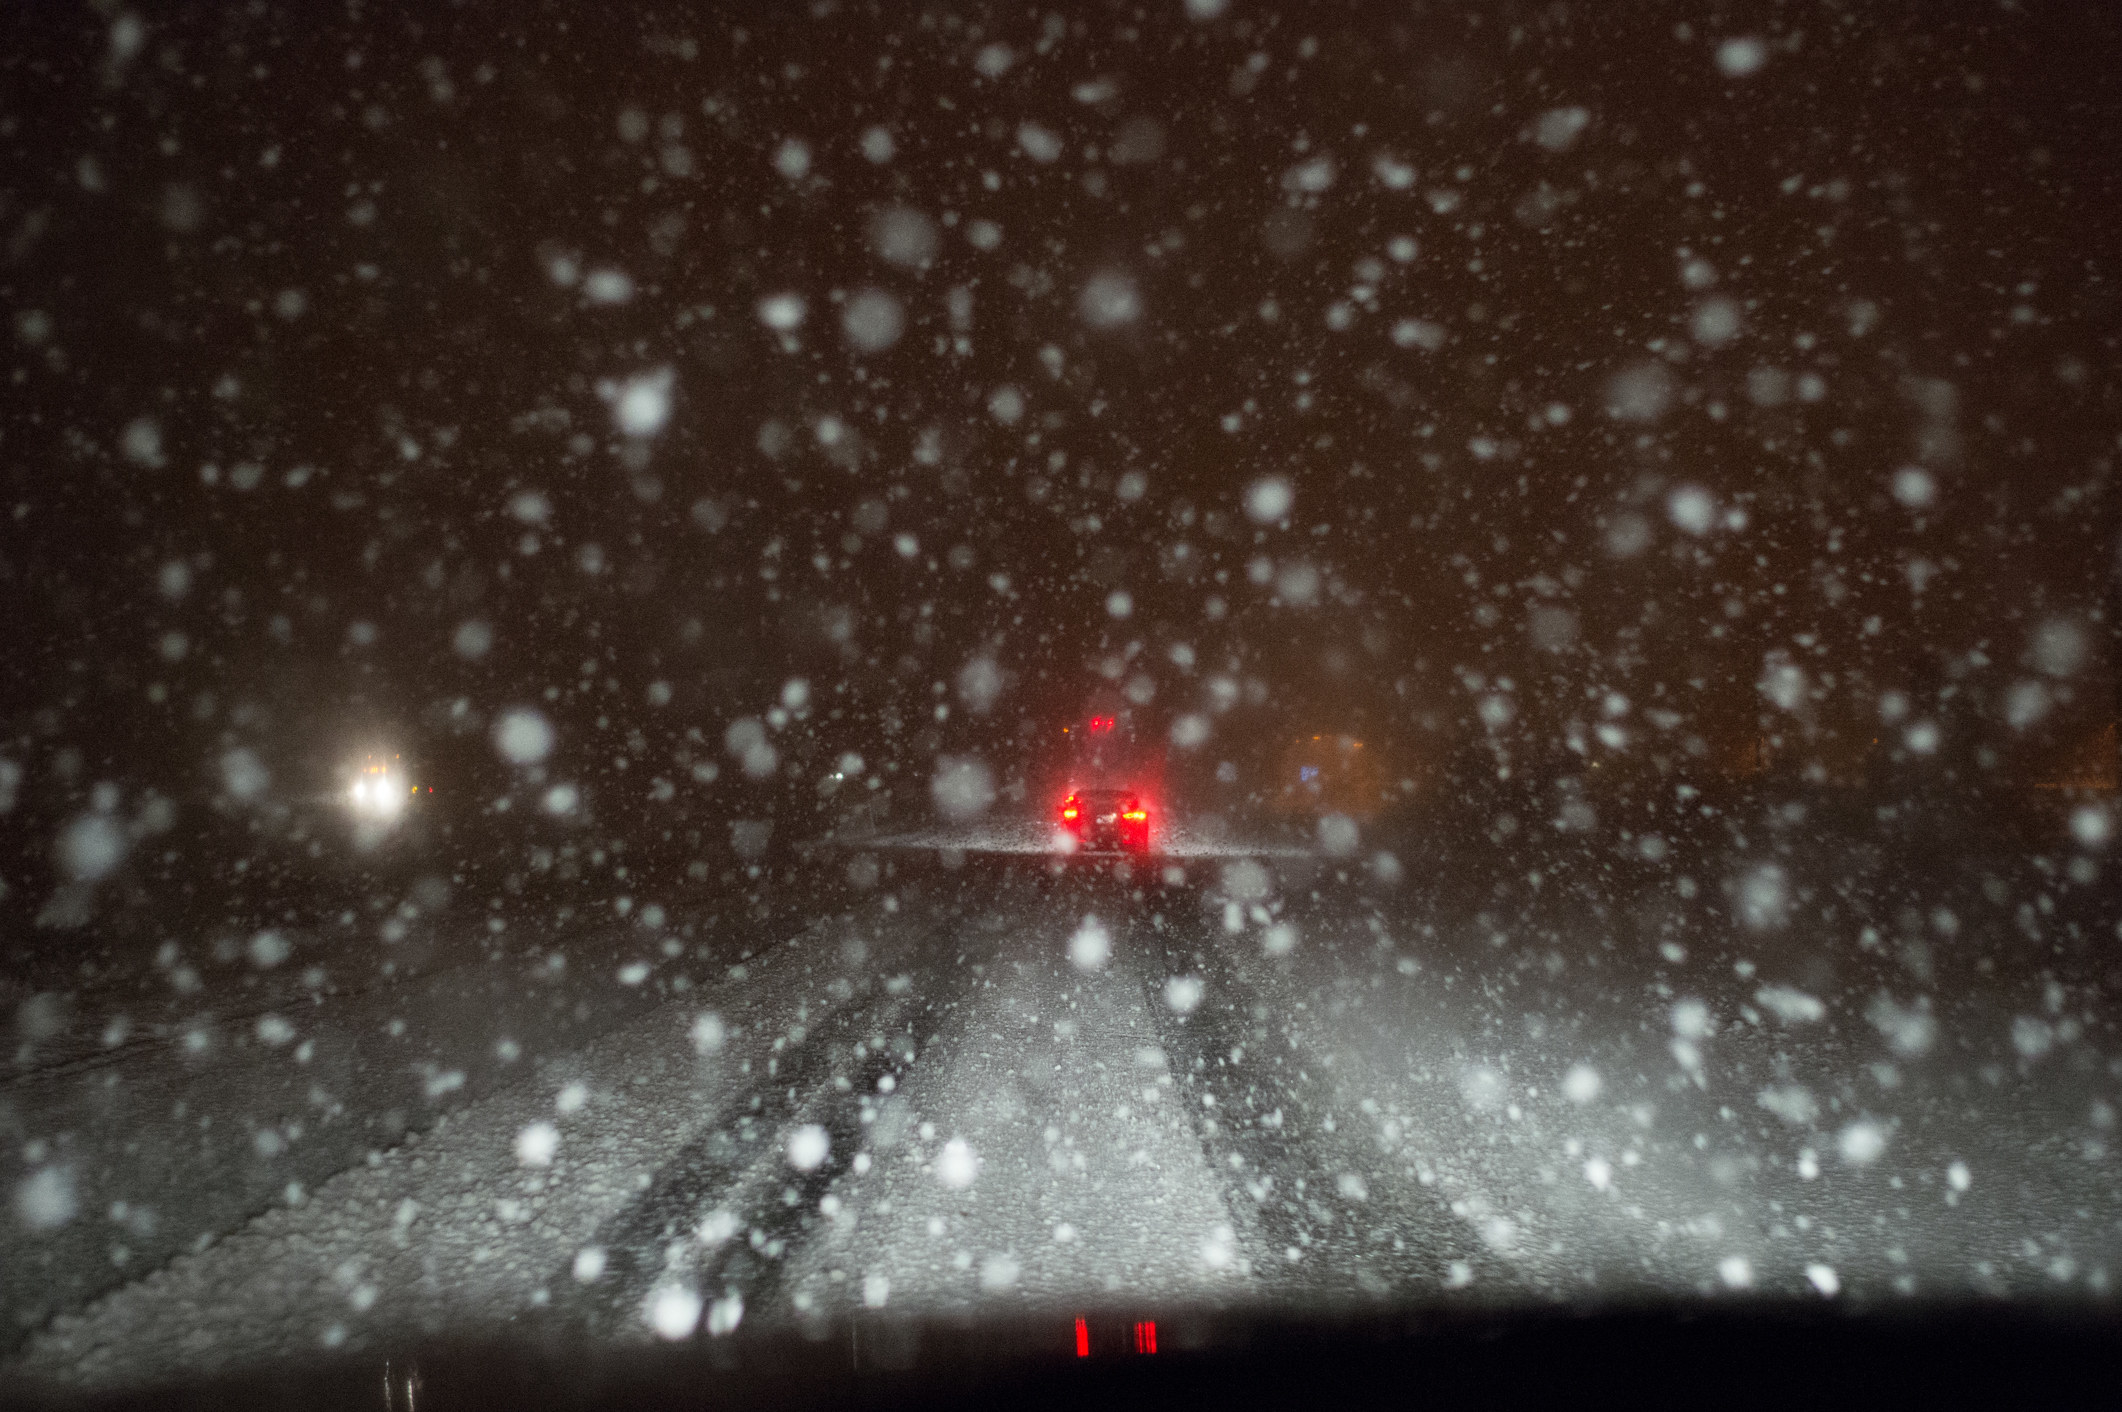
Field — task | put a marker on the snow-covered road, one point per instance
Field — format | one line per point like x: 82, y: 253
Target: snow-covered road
x: 998, y: 1083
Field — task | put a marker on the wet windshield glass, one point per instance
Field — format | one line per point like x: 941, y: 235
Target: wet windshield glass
x: 673, y: 674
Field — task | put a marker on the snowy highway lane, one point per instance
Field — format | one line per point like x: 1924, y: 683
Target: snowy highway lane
x: 1002, y: 1084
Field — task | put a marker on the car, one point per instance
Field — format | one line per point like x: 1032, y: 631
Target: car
x: 1111, y: 776
x: 1106, y: 820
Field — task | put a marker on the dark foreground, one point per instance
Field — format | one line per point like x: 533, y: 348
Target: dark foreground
x: 1767, y: 1355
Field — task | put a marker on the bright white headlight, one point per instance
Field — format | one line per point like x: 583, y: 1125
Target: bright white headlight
x: 377, y: 795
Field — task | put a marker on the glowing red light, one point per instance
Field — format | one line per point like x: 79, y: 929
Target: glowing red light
x: 1146, y: 1336
x: 1082, y: 1339
x: 1135, y: 815
x: 1100, y: 724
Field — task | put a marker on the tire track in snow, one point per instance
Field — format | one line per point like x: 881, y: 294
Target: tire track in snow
x: 1322, y: 1215
x: 725, y: 1211
x: 1052, y: 1173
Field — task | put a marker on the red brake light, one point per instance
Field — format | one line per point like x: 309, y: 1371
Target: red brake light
x: 1135, y: 815
x: 1100, y: 724
x: 1082, y: 1339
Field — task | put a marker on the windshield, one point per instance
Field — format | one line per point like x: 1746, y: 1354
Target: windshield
x: 565, y: 566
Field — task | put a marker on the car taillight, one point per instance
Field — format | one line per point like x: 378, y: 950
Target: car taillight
x: 1068, y: 809
x: 1135, y: 816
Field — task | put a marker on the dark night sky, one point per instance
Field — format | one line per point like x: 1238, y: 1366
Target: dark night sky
x: 259, y: 239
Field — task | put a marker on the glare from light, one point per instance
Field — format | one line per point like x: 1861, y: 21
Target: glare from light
x: 378, y: 794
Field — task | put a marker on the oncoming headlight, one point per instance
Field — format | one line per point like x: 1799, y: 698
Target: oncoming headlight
x: 378, y: 794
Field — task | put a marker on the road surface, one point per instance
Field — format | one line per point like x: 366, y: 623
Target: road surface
x: 986, y: 1078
